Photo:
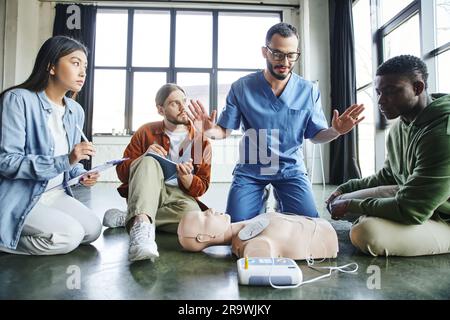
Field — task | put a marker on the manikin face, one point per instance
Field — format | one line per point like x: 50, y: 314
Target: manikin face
x: 202, y: 227
x: 70, y: 71
x: 174, y: 109
x: 280, y: 69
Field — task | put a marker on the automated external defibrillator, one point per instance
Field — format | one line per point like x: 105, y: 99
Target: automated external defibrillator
x: 279, y: 273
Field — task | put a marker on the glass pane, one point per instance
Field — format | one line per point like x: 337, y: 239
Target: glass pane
x: 442, y: 22
x: 151, y: 38
x: 363, y: 42
x: 390, y: 8
x: 243, y: 51
x: 224, y: 81
x: 111, y: 24
x: 189, y: 52
x: 146, y: 84
x: 366, y: 134
x: 109, y: 101
x: 443, y: 67
x: 196, y: 86
x: 403, y: 40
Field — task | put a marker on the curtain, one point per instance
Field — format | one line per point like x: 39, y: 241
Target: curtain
x: 79, y: 22
x: 344, y: 163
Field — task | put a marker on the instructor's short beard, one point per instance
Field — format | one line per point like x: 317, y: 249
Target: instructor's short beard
x: 276, y: 75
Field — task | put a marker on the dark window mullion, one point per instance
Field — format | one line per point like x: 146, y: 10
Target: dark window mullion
x: 442, y: 49
x: 110, y: 68
x: 365, y: 87
x: 130, y: 75
x: 173, y: 27
x: 238, y: 69
x: 407, y: 13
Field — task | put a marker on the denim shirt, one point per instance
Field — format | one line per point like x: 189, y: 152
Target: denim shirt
x: 27, y: 159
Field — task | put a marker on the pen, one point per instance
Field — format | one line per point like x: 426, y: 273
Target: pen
x: 82, y: 134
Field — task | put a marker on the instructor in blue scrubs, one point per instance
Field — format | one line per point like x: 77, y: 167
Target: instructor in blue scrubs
x: 277, y: 109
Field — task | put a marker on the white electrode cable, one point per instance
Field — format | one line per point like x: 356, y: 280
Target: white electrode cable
x: 310, y: 262
x: 343, y: 269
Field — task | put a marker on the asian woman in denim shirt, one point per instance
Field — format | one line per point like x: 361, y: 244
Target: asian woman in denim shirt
x: 40, y: 150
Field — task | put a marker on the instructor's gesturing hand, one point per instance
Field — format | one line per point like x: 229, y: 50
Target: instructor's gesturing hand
x: 349, y: 119
x: 201, y: 120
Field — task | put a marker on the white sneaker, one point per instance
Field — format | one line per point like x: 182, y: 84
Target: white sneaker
x: 142, y: 242
x: 114, y: 218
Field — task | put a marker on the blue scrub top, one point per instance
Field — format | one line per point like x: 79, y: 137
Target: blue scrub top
x: 274, y: 127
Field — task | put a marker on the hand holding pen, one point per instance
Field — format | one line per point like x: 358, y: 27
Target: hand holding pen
x: 82, y: 150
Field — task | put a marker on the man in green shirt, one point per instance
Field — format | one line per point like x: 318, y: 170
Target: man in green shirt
x: 404, y: 209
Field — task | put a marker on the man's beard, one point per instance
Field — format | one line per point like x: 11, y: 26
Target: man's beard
x: 277, y: 76
x: 175, y: 121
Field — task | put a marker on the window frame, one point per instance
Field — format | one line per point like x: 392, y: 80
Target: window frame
x: 384, y: 30
x: 172, y: 71
x: 429, y: 53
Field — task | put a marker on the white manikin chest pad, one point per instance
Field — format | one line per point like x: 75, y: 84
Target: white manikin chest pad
x: 254, y: 227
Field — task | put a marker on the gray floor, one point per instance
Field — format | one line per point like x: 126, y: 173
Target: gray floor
x: 105, y: 273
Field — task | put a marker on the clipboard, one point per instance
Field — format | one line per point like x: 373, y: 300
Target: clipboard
x: 99, y: 168
x: 168, y: 167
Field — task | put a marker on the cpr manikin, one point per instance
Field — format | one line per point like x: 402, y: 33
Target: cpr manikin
x: 282, y: 235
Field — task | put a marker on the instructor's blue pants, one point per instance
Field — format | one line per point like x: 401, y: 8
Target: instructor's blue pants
x: 294, y: 195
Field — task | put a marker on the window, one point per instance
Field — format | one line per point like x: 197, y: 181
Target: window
x: 442, y: 22
x: 366, y: 133
x: 416, y: 27
x: 145, y: 86
x: 243, y: 52
x: 403, y: 40
x: 390, y: 8
x: 196, y: 85
x: 364, y: 78
x: 443, y: 67
x: 198, y: 49
x: 109, y: 97
x: 107, y: 52
x: 189, y: 51
x: 151, y: 38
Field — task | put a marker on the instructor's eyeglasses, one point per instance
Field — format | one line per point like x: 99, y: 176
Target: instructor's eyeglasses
x: 280, y: 56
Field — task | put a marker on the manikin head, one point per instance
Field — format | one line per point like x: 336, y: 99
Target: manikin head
x: 198, y: 230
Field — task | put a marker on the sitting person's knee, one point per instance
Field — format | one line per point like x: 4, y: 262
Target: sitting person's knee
x: 93, y: 230
x: 367, y: 235
x: 148, y: 161
x: 67, y: 240
x: 146, y: 164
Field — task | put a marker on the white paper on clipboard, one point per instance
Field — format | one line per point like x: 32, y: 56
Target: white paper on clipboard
x: 99, y: 168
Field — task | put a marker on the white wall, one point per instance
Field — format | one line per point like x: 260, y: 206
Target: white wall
x: 28, y: 24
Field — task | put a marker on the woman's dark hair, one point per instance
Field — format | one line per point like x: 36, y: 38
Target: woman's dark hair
x: 165, y: 91
x: 49, y: 54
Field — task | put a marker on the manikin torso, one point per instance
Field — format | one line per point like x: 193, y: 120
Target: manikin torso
x: 289, y: 236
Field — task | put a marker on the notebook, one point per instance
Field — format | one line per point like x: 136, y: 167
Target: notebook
x: 168, y: 167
